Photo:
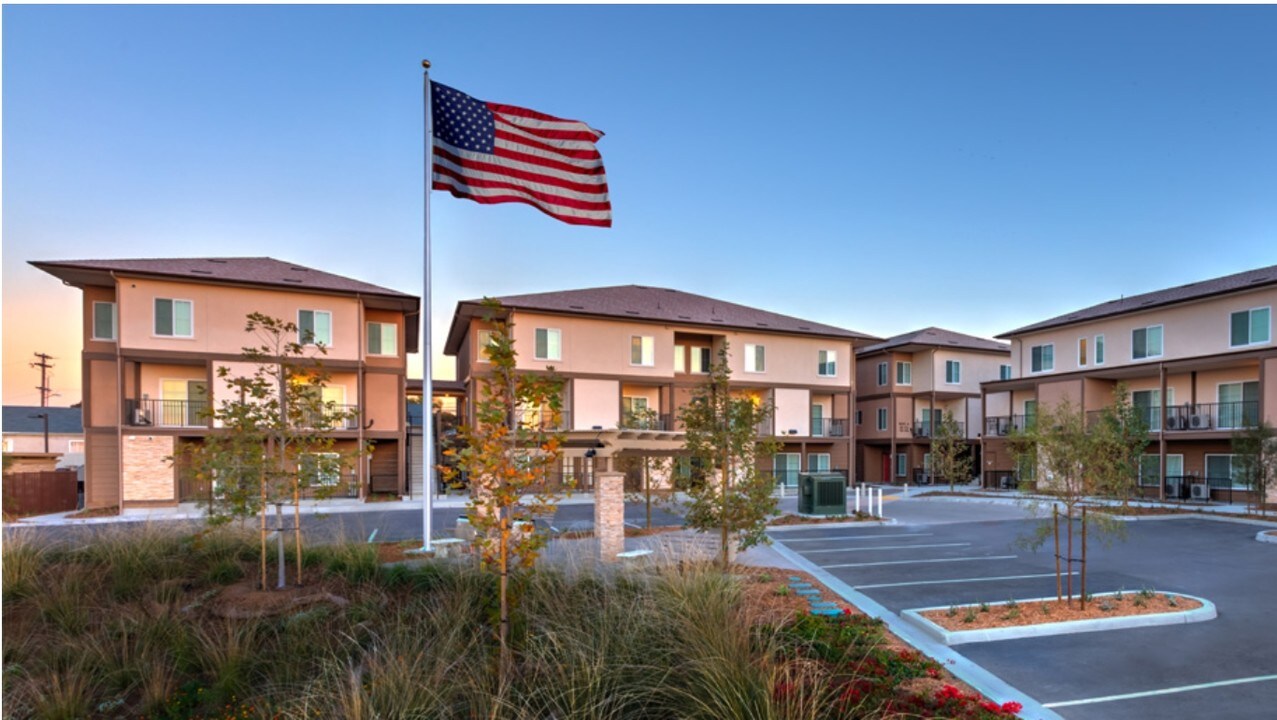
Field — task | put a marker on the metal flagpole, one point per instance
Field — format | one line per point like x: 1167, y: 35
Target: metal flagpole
x: 427, y: 385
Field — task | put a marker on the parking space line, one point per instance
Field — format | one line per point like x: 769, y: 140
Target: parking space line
x: 886, y: 547
x: 847, y: 537
x: 959, y: 580
x: 1164, y: 691
x: 921, y: 562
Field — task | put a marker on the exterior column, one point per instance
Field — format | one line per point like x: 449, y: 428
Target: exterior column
x: 609, y: 514
x: 1161, y: 438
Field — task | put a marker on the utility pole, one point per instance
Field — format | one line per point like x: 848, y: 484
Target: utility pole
x: 45, y: 367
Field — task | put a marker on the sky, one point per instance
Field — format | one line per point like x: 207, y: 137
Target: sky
x: 877, y: 168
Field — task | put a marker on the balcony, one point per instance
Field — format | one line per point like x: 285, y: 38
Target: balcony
x: 923, y: 429
x: 1003, y: 425
x: 166, y: 413
x: 646, y: 421
x: 349, y: 419
x: 1202, y: 417
x: 829, y: 427
x: 543, y: 420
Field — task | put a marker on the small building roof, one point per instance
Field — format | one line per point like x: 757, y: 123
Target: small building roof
x: 639, y: 302
x: 934, y: 337
x: 24, y: 420
x: 1250, y: 279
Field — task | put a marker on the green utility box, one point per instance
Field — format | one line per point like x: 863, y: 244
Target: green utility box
x: 822, y: 494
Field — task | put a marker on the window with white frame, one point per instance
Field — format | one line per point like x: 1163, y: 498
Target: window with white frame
x: 701, y: 360
x: 75, y: 446
x: 1042, y: 358
x: 1225, y: 471
x: 1151, y: 469
x: 1099, y: 349
x: 1146, y: 342
x: 827, y: 363
x: 486, y: 338
x: 321, y: 469
x: 902, y: 465
x: 548, y: 344
x: 952, y: 372
x: 383, y: 338
x: 1004, y: 372
x: 882, y: 374
x: 818, y: 462
x: 904, y: 373
x: 882, y: 418
x: 755, y: 358
x: 104, y: 321
x: 174, y: 318
x: 315, y: 327
x: 1081, y: 352
x: 680, y: 358
x: 1249, y: 327
x: 643, y: 350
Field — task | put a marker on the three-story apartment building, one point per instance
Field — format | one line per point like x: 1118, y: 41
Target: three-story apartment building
x: 631, y: 357
x: 157, y: 330
x: 906, y: 385
x: 1199, y: 361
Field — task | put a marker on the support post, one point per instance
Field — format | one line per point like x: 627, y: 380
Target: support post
x: 609, y: 514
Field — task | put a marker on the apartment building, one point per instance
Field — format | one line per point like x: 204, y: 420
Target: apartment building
x: 157, y: 330
x: 1199, y: 361
x: 905, y: 385
x: 631, y: 357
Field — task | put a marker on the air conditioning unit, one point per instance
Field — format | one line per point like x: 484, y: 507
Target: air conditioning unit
x: 1174, y: 489
x: 1199, y: 422
x: 1176, y: 422
x: 141, y: 416
x: 1201, y: 491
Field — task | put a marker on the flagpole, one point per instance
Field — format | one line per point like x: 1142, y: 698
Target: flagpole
x: 427, y: 384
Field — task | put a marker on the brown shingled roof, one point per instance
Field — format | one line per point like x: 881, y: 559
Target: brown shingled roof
x: 1261, y: 277
x: 654, y: 304
x: 934, y: 337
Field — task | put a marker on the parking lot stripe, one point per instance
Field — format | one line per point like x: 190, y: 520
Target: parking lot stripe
x: 959, y: 580
x: 1165, y: 691
x: 921, y: 562
x: 887, y: 547
x: 847, y: 537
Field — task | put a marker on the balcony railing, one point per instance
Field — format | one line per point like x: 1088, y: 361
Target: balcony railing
x: 828, y: 427
x: 340, y: 417
x: 923, y: 428
x: 789, y: 478
x: 166, y: 413
x: 1003, y: 425
x: 1194, y: 418
x: 646, y: 421
x: 544, y: 420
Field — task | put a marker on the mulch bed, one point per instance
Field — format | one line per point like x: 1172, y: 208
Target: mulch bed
x: 790, y: 519
x: 976, y: 617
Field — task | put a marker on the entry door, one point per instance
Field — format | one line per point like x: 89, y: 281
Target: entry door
x: 817, y: 462
x: 786, y: 468
x: 817, y: 421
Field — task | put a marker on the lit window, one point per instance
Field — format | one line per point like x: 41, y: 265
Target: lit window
x: 755, y: 358
x: 643, y: 350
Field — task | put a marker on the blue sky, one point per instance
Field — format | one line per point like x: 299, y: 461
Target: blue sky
x: 877, y: 168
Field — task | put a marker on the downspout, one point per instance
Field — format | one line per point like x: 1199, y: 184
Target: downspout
x: 1161, y: 435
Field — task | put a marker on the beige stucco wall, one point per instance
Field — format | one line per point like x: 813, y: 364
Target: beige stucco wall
x: 104, y: 408
x: 1054, y: 393
x: 595, y: 403
x: 383, y: 399
x: 1269, y: 388
x: 219, y: 314
x: 147, y: 475
x: 793, y: 410
x: 998, y: 404
x: 1189, y: 330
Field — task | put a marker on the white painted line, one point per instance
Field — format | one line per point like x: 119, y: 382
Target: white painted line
x: 373, y: 535
x: 922, y: 562
x: 886, y: 547
x: 960, y: 580
x: 1165, y: 691
x: 850, y: 537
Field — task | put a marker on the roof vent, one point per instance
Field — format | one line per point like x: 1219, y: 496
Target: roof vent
x: 293, y: 280
x: 299, y: 269
x: 1259, y: 279
x: 684, y: 317
x: 217, y: 260
x: 577, y: 307
x: 761, y: 324
x: 1147, y: 302
x: 631, y: 312
x: 803, y: 327
x: 202, y: 272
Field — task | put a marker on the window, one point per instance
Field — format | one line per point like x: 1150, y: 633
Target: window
x: 882, y: 418
x: 680, y: 358
x: 104, y: 321
x: 315, y: 327
x: 882, y: 373
x: 1148, y: 406
x: 827, y: 363
x: 817, y: 462
x: 548, y: 344
x: 952, y: 372
x: 321, y: 469
x: 487, y: 338
x: 904, y: 373
x: 1238, y: 405
x: 902, y: 465
x: 173, y: 318
x: 1249, y: 327
x: 859, y: 416
x: 8, y: 445
x: 1146, y: 342
x: 1004, y: 372
x: 1081, y: 352
x: 1042, y: 357
x: 1099, y: 349
x: 785, y: 467
x: 383, y: 338
x: 1151, y: 467
x: 75, y: 446
x: 755, y: 358
x: 701, y: 360
x: 643, y: 350
x: 1224, y: 471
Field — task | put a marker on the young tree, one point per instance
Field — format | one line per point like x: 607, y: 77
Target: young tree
x: 722, y: 438
x: 1255, y: 458
x: 275, y: 440
x: 507, y: 456
x: 1119, y: 436
x: 950, y: 455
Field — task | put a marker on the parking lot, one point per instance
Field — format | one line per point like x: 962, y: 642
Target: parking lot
x: 945, y: 552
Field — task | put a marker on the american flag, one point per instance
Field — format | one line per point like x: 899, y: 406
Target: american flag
x: 493, y: 153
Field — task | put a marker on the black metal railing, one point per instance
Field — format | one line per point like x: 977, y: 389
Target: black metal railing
x: 925, y: 429
x: 1000, y: 480
x: 789, y: 478
x: 1003, y: 425
x: 828, y: 427
x: 544, y: 420
x: 336, y: 417
x: 166, y: 413
x: 646, y: 421
x: 1212, y: 416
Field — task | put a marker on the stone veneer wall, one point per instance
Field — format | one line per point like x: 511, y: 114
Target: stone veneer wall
x: 609, y: 514
x: 148, y: 476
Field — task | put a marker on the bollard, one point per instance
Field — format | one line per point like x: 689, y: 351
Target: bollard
x: 880, y: 515
x: 857, y: 499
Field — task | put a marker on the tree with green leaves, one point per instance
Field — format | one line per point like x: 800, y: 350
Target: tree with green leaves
x: 722, y: 438
x: 950, y: 454
x: 274, y: 441
x: 1119, y: 436
x: 1255, y: 461
x: 507, y: 456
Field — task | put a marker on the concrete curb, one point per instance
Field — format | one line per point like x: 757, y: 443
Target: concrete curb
x: 1266, y: 536
x: 988, y: 684
x: 959, y: 637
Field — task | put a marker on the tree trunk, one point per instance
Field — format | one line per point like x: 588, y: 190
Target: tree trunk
x: 297, y: 529
x: 503, y: 630
x: 725, y: 553
x: 1055, y: 514
x: 1069, y: 568
x: 1083, y: 576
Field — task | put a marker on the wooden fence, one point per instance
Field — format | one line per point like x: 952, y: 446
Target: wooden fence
x: 39, y: 493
